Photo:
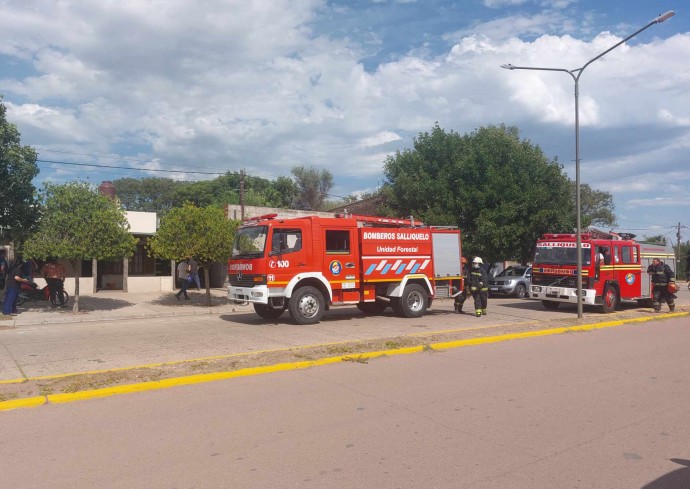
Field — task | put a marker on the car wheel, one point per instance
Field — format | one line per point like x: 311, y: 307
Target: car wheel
x: 521, y: 291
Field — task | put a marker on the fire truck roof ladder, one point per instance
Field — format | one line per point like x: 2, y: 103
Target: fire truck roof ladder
x: 382, y: 221
x: 599, y: 234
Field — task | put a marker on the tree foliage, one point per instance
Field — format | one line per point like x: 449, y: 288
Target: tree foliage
x: 202, y: 233
x: 162, y: 194
x: 313, y: 185
x: 596, y: 207
x: 78, y: 223
x: 18, y: 209
x: 501, y: 191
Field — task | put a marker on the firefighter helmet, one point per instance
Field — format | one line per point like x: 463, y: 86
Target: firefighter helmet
x: 477, y: 261
x: 672, y: 287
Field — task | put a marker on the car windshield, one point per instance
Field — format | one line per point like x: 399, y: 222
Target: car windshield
x: 250, y: 242
x: 556, y: 255
x: 512, y: 272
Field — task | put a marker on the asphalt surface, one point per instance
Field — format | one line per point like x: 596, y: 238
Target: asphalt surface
x: 606, y: 409
x: 115, y: 330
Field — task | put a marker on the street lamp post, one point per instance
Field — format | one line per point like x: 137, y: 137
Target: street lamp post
x: 576, y: 74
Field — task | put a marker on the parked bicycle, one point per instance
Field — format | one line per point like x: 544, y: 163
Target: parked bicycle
x: 31, y: 292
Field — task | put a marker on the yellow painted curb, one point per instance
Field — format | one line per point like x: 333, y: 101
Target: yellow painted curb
x: 27, y: 402
x: 202, y: 378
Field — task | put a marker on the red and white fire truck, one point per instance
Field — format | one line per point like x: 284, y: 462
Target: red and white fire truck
x: 307, y: 264
x: 620, y: 276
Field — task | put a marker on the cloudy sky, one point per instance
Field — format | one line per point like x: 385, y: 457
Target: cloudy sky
x: 200, y: 88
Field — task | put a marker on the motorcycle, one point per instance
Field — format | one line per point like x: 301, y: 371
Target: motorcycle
x: 31, y: 292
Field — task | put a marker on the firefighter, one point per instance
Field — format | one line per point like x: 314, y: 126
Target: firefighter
x: 661, y: 276
x: 460, y: 299
x: 479, y: 286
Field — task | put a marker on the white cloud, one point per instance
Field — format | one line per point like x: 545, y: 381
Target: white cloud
x: 233, y: 85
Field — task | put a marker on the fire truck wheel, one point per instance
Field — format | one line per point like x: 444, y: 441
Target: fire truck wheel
x: 307, y: 305
x: 610, y: 299
x: 372, y: 307
x: 267, y: 312
x: 550, y: 304
x: 413, y: 303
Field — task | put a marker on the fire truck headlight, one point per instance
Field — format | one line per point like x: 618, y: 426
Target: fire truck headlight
x: 536, y: 288
x: 257, y: 293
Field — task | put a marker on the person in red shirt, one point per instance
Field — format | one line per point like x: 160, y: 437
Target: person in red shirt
x: 54, y: 273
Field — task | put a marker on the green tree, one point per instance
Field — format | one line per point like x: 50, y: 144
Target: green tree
x: 18, y: 202
x: 596, y: 207
x: 202, y: 233
x: 313, y: 186
x: 149, y: 194
x: 501, y: 191
x: 78, y: 223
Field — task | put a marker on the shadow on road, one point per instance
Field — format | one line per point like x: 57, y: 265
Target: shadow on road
x: 679, y: 478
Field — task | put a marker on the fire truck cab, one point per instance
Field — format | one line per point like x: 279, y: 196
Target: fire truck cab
x: 307, y: 264
x: 614, y: 269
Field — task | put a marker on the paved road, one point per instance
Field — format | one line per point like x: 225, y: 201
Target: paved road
x: 32, y: 350
x: 602, y: 409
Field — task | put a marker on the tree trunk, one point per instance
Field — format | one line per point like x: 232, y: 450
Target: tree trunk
x: 208, y: 285
x: 76, y: 265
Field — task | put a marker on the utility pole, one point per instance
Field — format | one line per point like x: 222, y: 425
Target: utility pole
x: 678, y: 241
x: 242, y: 194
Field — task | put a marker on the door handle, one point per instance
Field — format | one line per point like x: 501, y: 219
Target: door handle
x: 350, y: 265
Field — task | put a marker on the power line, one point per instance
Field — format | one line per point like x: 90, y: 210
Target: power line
x: 129, y: 167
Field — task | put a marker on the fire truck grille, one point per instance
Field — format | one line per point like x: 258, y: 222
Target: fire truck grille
x: 244, y: 280
x: 555, y: 280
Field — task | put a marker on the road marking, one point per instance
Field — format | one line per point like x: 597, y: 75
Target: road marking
x: 281, y: 367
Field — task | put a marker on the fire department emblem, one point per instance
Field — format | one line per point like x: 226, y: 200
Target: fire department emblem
x: 630, y: 278
x: 271, y: 278
x: 336, y: 267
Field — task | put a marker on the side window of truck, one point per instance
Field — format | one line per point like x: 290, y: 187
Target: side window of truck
x: 286, y: 241
x: 338, y: 242
x: 629, y: 254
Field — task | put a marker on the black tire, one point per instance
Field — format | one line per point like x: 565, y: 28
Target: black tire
x: 372, y: 307
x: 61, y: 299
x: 21, y: 300
x: 521, y: 291
x: 413, y: 303
x: 610, y: 300
x: 307, y: 305
x: 267, y: 312
x: 551, y: 305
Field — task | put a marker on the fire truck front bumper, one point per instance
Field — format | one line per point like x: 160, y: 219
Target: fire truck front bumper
x: 256, y: 295
x: 562, y: 294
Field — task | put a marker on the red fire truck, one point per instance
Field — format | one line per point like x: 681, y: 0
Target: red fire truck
x: 620, y: 276
x: 307, y: 264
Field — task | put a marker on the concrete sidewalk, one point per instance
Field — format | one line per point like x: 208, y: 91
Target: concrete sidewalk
x: 111, y: 305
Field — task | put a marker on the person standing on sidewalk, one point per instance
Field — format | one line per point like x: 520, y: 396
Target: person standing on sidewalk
x: 661, y: 276
x: 183, y: 276
x: 54, y: 273
x: 479, y: 286
x: 194, y: 273
x: 14, y: 280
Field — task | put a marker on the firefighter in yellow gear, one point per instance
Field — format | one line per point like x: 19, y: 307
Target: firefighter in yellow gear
x: 479, y: 287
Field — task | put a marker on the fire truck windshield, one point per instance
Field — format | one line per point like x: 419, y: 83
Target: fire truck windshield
x: 250, y: 242
x: 561, y: 256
